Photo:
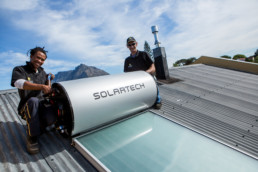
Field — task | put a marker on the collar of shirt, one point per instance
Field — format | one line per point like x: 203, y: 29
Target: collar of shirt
x: 31, y: 67
x: 136, y: 54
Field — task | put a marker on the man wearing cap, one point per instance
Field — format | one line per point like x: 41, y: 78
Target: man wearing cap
x: 139, y: 60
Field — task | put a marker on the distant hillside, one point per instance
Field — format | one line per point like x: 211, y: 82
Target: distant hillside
x: 81, y: 71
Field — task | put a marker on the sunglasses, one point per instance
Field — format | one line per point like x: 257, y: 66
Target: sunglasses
x: 129, y: 45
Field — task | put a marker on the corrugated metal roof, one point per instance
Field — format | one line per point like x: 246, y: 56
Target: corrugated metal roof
x: 56, y: 152
x: 220, y: 103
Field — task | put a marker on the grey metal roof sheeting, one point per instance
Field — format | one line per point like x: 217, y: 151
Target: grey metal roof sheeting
x: 219, y: 103
x: 56, y: 152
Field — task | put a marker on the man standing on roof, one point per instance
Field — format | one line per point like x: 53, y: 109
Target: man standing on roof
x: 140, y: 60
x: 32, y: 82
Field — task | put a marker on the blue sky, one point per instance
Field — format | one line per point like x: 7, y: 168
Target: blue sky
x: 94, y: 32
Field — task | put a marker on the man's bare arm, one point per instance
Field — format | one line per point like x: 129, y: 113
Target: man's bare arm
x: 32, y: 86
x: 151, y: 69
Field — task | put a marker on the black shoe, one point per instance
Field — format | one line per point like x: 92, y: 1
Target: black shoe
x: 158, y: 105
x: 32, y: 145
x: 50, y: 128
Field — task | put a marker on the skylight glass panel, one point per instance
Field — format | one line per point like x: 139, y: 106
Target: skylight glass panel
x: 150, y: 142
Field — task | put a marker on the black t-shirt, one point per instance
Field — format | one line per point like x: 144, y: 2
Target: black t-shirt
x: 28, y: 73
x: 141, y: 61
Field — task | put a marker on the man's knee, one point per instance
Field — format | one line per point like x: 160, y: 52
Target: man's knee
x: 32, y: 107
x: 33, y: 101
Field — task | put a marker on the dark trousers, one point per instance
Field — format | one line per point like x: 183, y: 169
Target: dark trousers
x: 38, y: 115
x: 158, y: 100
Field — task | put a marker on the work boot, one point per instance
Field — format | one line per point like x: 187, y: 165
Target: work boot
x: 158, y: 105
x: 32, y: 145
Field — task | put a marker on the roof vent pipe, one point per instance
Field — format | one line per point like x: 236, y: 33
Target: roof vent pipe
x: 160, y: 59
x: 155, y: 31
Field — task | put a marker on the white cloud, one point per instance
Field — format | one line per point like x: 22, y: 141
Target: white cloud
x: 213, y: 28
x: 94, y: 31
x: 55, y: 66
x: 18, y: 5
x: 9, y: 60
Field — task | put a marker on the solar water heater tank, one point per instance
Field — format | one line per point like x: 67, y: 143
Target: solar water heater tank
x: 84, y: 104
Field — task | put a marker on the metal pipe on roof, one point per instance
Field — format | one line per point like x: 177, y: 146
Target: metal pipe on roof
x: 155, y: 31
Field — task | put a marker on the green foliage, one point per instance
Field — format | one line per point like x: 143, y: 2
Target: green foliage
x: 256, y: 59
x: 184, y: 62
x: 248, y: 60
x: 226, y: 57
x: 239, y: 56
x: 256, y: 53
x: 148, y: 50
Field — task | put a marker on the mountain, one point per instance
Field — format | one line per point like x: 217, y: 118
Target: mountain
x: 81, y: 71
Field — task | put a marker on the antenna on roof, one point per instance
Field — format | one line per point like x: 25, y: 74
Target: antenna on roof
x: 155, y: 31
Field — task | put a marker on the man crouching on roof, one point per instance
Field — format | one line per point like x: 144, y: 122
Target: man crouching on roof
x: 32, y: 82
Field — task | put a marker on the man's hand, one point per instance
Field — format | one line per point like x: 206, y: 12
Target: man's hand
x: 52, y: 76
x: 151, y: 69
x: 46, y: 89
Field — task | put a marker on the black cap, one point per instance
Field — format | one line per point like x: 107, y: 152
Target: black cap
x: 130, y: 39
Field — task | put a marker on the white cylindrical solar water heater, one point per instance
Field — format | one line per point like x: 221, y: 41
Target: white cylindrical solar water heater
x: 99, y: 100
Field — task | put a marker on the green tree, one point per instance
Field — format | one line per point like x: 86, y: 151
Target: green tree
x: 148, y: 50
x: 248, y: 60
x: 180, y: 62
x: 226, y: 57
x: 256, y: 59
x: 239, y: 56
x: 183, y: 62
x: 256, y: 53
x: 190, y: 61
x: 253, y: 58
